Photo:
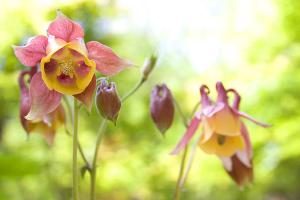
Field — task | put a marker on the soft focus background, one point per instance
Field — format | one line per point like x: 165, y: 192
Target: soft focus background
x: 251, y: 45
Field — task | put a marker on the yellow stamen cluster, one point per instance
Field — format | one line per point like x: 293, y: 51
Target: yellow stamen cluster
x: 66, y: 67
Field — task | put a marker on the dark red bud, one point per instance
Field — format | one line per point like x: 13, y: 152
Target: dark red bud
x: 108, y: 102
x: 162, y: 107
x: 240, y: 173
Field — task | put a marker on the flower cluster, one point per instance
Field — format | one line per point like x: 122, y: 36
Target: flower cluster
x: 224, y: 133
x: 61, y: 64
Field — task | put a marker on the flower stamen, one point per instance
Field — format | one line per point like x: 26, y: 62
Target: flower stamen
x: 66, y: 67
x: 221, y: 139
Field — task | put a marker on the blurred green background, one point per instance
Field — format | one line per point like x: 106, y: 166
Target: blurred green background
x: 251, y: 45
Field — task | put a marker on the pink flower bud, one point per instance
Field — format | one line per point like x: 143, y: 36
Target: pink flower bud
x: 108, y: 102
x: 162, y: 107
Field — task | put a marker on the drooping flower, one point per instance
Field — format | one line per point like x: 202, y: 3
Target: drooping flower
x: 240, y: 165
x: 224, y: 133
x: 66, y: 65
x: 221, y: 125
x: 48, y: 125
x: 108, y: 102
x: 162, y: 107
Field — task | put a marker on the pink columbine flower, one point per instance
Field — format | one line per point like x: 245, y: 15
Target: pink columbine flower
x: 48, y: 125
x: 222, y: 125
x: 66, y: 65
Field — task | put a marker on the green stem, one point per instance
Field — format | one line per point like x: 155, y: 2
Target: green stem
x: 183, y: 159
x: 78, y: 143
x: 193, y: 152
x: 75, y: 139
x: 195, y: 109
x: 181, y: 170
x: 133, y: 90
x: 181, y: 175
x: 190, y: 162
x: 93, y: 171
x: 183, y: 118
x: 94, y: 163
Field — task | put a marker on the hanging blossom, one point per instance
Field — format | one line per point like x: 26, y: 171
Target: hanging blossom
x: 239, y: 166
x: 66, y: 65
x: 48, y: 125
x: 224, y: 133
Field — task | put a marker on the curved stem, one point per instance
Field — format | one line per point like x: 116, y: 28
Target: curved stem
x: 94, y: 163
x: 190, y: 162
x: 133, y: 90
x: 183, y: 159
x: 183, y: 118
x: 101, y: 129
x: 195, y: 109
x: 75, y: 135
x: 182, y: 176
x: 181, y: 170
x: 78, y: 143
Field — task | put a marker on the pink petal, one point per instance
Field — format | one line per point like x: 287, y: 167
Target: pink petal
x: 43, y: 100
x: 227, y: 163
x: 187, y: 136
x: 222, y: 95
x: 64, y: 28
x: 209, y: 111
x: 82, y: 70
x: 236, y: 100
x: 31, y: 54
x: 107, y: 62
x: 24, y: 101
x: 86, y: 97
x: 245, y: 156
x: 242, y: 114
x: 205, y: 100
x: 66, y: 80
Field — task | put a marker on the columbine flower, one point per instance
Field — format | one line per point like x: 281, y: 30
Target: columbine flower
x: 66, y: 65
x: 48, y: 125
x: 162, y: 107
x: 222, y: 125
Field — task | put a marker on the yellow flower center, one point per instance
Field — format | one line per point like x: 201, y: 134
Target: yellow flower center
x: 66, y: 66
x: 221, y: 139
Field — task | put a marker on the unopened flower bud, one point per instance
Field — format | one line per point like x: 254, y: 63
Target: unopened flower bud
x: 108, y: 102
x: 148, y: 66
x: 162, y: 107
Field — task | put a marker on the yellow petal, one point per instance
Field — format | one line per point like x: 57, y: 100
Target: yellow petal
x: 75, y: 83
x: 223, y: 122
x: 222, y: 145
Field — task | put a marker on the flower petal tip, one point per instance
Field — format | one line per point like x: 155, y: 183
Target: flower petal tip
x: 107, y: 61
x: 30, y: 116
